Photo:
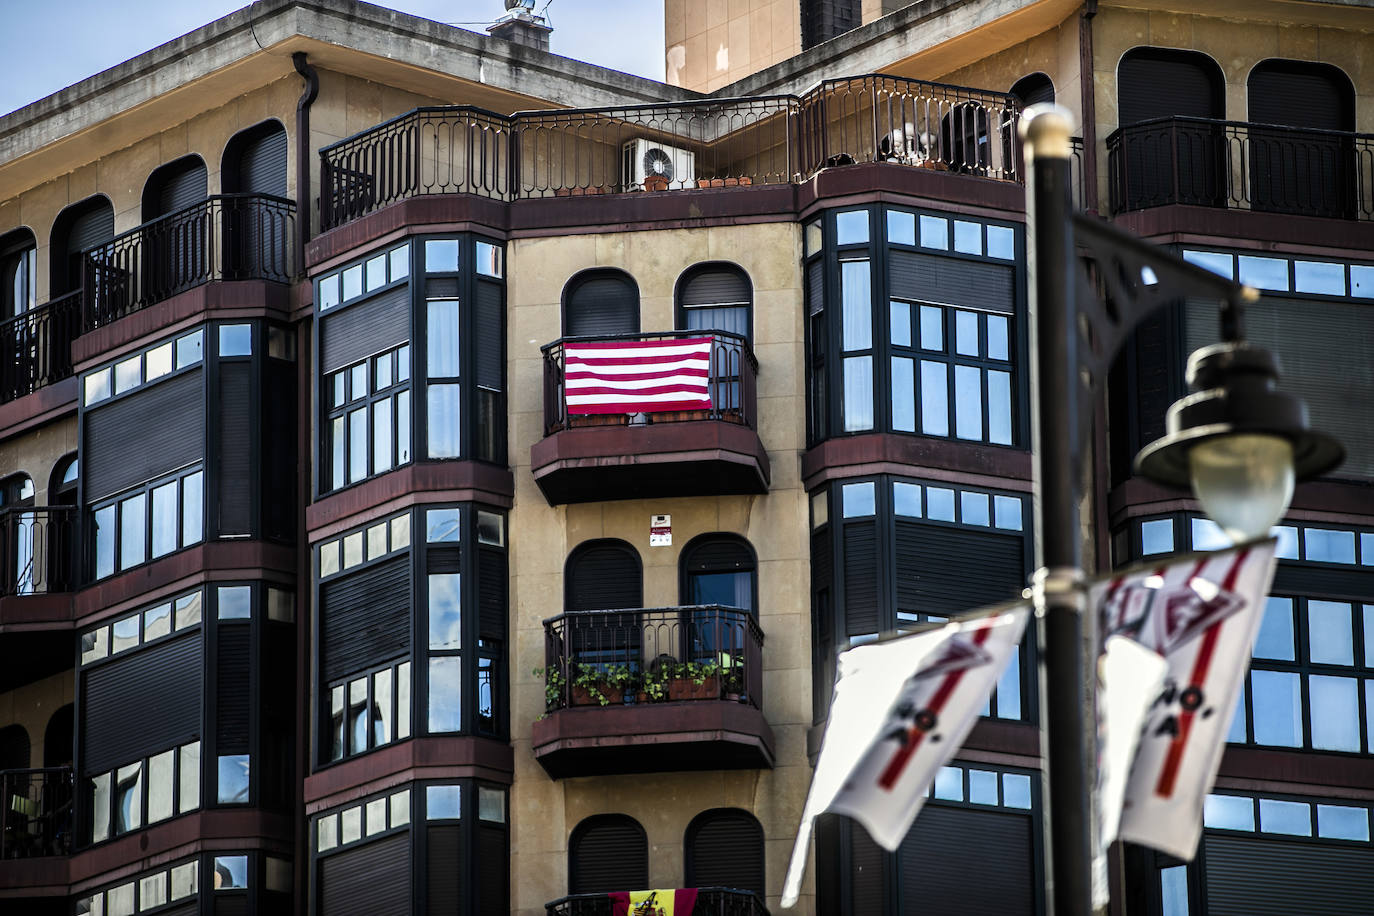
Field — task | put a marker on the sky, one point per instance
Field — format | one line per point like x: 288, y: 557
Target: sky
x: 47, y: 45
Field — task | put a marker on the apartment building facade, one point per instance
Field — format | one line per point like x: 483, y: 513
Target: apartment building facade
x: 326, y: 592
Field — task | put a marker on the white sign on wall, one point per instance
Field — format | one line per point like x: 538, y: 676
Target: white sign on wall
x: 661, y: 531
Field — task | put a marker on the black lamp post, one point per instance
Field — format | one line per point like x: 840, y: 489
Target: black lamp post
x: 1241, y: 443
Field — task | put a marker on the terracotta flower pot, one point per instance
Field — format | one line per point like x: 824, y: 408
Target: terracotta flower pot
x: 684, y: 688
x: 655, y: 183
x: 582, y: 696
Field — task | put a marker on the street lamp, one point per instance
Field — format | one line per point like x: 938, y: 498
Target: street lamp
x: 1240, y: 442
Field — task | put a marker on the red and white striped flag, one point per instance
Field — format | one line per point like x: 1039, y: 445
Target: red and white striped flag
x: 901, y: 710
x: 637, y: 376
x: 1201, y: 612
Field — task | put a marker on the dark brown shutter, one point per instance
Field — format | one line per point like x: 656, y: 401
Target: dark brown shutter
x: 1300, y: 94
x: 445, y: 893
x: 866, y: 869
x: 365, y: 618
x: 92, y: 228
x: 490, y: 335
x: 262, y: 164
x: 145, y: 703
x: 608, y: 853
x: 1257, y: 876
x: 491, y: 593
x: 366, y: 328
x: 815, y: 288
x: 179, y: 186
x: 232, y: 687
x: 604, y: 577
x: 944, y: 570
x: 236, y: 448
x: 371, y: 880
x: 143, y: 436
x: 861, y: 614
x: 235, y: 904
x: 721, y: 555
x: 953, y: 281
x: 602, y: 305
x: 721, y: 286
x: 493, y: 868
x: 1033, y: 90
x: 725, y: 849
x: 967, y: 861
x: 1156, y: 83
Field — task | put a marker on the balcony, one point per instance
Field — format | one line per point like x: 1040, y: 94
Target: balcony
x: 763, y: 140
x: 37, y: 813
x: 711, y: 901
x: 225, y: 237
x: 37, y: 551
x: 652, y: 690
x: 36, y: 346
x: 712, y: 449
x: 1238, y: 165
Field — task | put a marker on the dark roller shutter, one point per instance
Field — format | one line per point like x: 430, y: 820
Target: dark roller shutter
x: 232, y: 688
x: 186, y: 909
x: 1297, y: 94
x: 236, y: 447
x: 490, y: 336
x: 1333, y: 380
x: 952, y: 281
x: 949, y: 570
x: 231, y: 904
x: 180, y: 186
x: 1033, y: 90
x: 142, y: 704
x: 815, y: 288
x: 604, y: 577
x: 1251, y: 876
x: 715, y: 287
x: 944, y: 864
x: 95, y: 227
x: 609, y: 854
x: 725, y: 849
x: 602, y: 305
x: 372, y: 880
x: 820, y: 560
x: 866, y: 871
x: 718, y: 556
x: 1158, y: 374
x: 861, y: 579
x: 366, y: 328
x: 445, y: 893
x: 1305, y: 173
x: 262, y: 164
x: 1162, y: 84
x: 365, y: 618
x: 493, y: 869
x: 491, y: 593
x: 279, y: 461
x: 144, y: 435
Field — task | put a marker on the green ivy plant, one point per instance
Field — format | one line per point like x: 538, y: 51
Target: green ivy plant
x: 553, y: 687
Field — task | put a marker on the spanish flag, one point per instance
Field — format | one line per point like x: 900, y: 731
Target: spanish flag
x: 671, y: 902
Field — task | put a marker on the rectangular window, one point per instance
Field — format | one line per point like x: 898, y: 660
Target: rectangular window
x: 445, y: 684
x: 443, y: 421
x: 442, y: 336
x: 368, y: 418
x: 133, y: 527
x: 857, y: 304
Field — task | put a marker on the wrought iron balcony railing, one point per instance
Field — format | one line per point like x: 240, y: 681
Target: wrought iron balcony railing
x: 652, y: 655
x: 711, y: 901
x: 732, y: 383
x: 36, y: 347
x: 775, y: 139
x: 225, y: 237
x: 37, y: 813
x: 1241, y: 165
x: 37, y: 550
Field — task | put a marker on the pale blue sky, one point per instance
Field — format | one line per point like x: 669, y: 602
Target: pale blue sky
x: 47, y: 45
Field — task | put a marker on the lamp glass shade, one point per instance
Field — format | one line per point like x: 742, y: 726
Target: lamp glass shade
x: 1244, y: 481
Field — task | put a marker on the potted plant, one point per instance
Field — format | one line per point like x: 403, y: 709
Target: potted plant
x: 553, y: 687
x: 695, y: 681
x: 732, y: 676
x: 653, y: 685
x: 600, y: 685
x: 655, y: 182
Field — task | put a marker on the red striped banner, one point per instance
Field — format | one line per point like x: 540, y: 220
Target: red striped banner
x: 637, y: 376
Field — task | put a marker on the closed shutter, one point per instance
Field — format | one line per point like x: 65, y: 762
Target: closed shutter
x: 236, y: 446
x: 445, y: 893
x: 604, y: 577
x: 232, y: 688
x: 148, y: 702
x: 1302, y: 173
x: 493, y: 869
x: 610, y: 854
x: 181, y: 187
x: 366, y: 328
x: 949, y: 570
x: 1333, y: 380
x: 92, y: 228
x: 186, y: 909
x: 1163, y: 84
x: 861, y: 615
x: 145, y: 435
x: 866, y: 871
x: 491, y: 593
x: 943, y: 864
x: 365, y: 618
x: 1251, y: 876
x: 14, y: 748
x: 279, y: 461
x: 1299, y: 95
x: 953, y: 281
x: 262, y: 164
x: 821, y: 563
x: 1034, y: 90
x: 726, y: 850
x: 490, y: 336
x: 815, y: 288
x: 1158, y: 374
x: 231, y: 904
x: 1168, y: 84
x: 719, y: 556
x: 372, y: 880
x: 715, y: 287
x: 602, y: 305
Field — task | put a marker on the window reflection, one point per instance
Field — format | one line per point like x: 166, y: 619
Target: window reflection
x: 233, y: 779
x: 129, y: 798
x: 445, y: 611
x: 444, y: 693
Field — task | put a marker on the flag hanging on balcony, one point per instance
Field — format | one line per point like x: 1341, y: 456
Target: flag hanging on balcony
x: 669, y: 902
x: 637, y: 376
x: 899, y: 712
x: 1201, y: 612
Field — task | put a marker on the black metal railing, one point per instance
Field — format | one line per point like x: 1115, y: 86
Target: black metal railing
x: 37, y: 813
x: 1241, y: 165
x: 38, y: 547
x: 225, y: 237
x: 711, y: 901
x: 36, y: 347
x: 732, y: 383
x: 652, y: 655
x: 775, y: 139
x: 1076, y: 193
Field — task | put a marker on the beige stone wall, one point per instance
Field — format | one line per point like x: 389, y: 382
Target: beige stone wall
x: 37, y: 453
x: 545, y: 811
x: 33, y: 705
x: 1053, y: 52
x: 712, y: 43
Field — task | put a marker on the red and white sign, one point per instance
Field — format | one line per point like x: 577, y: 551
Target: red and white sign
x: 637, y: 376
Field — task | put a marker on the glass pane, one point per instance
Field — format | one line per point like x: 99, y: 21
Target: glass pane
x: 1369, y: 639
x: 949, y: 784
x: 403, y: 427
x: 1292, y: 818
x: 353, y: 282
x: 858, y: 393
x: 159, y: 361
x: 999, y: 407
x: 278, y: 875
x: 998, y: 337
x: 327, y: 832
x: 934, y: 232
x: 442, y: 351
x: 104, y: 542
x: 490, y: 529
x: 443, y: 525
x: 165, y: 520
x: 403, y: 700
x: 382, y: 371
x: 1275, y: 639
x: 1330, y: 638
x: 1361, y: 281
x: 491, y: 805
x: 100, y: 807
x: 968, y: 402
x: 161, y: 774
x: 444, y: 693
x: 400, y: 808
x: 125, y: 634
x: 188, y: 777
x: 192, y: 508
x: 400, y: 532
x: 357, y: 716
x: 965, y: 333
x: 901, y: 228
x: 233, y: 779
x: 235, y: 340
x: 1009, y: 688
x: 851, y: 227
x: 185, y: 880
x: 906, y: 499
x: 120, y: 900
x: 128, y: 374
x: 231, y: 872
x: 1207, y: 535
x: 934, y: 399
x: 1319, y: 277
x: 329, y: 292
x: 1157, y: 536
x: 1366, y: 548
x: 1228, y: 812
x: 133, y: 531
x: 932, y: 328
x: 445, y: 611
x: 857, y: 303
x: 400, y: 262
x: 1335, y: 707
x: 129, y: 798
x: 968, y: 237
x: 190, y: 348
x: 95, y: 645
x: 280, y: 606
x: 97, y: 386
x: 1277, y: 708
x: 376, y: 541
x: 336, y: 722
x: 329, y: 558
x: 1173, y: 891
x: 1264, y: 273
x: 858, y: 499
x: 1338, y: 822
x: 1001, y: 242
x: 157, y: 621
x: 357, y: 382
x: 351, y: 825
x: 337, y: 442
x: 383, y: 719
x: 1006, y: 512
x: 973, y: 508
x: 443, y: 802
x: 1215, y: 261
x: 903, y: 394
x: 940, y: 504
x: 982, y: 787
x: 488, y: 259
x: 382, y: 437
x: 1235, y: 733
x: 376, y: 816
x: 899, y: 318
x: 235, y: 602
x: 1016, y: 791
x: 1287, y: 548
x: 352, y: 549
x: 357, y: 445
x: 813, y: 237
x: 1329, y: 546
x: 376, y: 272
x: 443, y: 421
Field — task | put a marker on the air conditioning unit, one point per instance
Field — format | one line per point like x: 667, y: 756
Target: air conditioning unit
x: 643, y: 158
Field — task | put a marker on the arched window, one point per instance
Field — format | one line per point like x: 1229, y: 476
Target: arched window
x: 255, y: 161
x: 1164, y: 83
x: 18, y: 273
x: 1033, y: 90
x: 600, y: 303
x: 723, y: 847
x: 715, y: 297
x: 79, y: 227
x: 16, y: 490
x: 174, y: 186
x: 603, y: 575
x: 255, y: 231
x: 14, y: 748
x: 719, y: 569
x: 62, y: 487
x: 176, y: 250
x: 1293, y: 172
x: 608, y: 852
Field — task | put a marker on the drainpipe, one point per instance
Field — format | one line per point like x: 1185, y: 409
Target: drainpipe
x: 1088, y: 89
x: 304, y: 210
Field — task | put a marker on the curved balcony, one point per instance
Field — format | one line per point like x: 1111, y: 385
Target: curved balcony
x: 629, y: 446
x: 37, y: 813
x: 711, y: 901
x: 36, y: 346
x: 652, y: 690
